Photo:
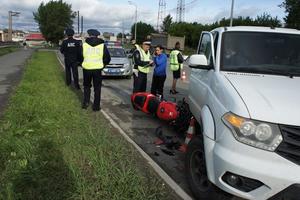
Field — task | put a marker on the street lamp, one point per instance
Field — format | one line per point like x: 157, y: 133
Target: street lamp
x: 232, y: 8
x: 10, y: 15
x: 134, y: 4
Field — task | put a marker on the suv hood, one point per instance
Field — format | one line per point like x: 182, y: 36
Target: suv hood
x: 269, y: 98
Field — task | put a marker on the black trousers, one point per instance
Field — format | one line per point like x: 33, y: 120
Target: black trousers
x: 71, y: 69
x: 94, y: 76
x: 157, y: 86
x: 140, y: 82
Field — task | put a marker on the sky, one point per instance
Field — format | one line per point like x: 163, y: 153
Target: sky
x: 116, y: 15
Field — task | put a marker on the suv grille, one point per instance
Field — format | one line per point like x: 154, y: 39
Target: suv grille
x: 290, y: 147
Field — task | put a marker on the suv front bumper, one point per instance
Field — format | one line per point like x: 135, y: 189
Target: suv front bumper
x: 227, y: 155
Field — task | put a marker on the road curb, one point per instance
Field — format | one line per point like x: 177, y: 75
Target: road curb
x: 167, y: 179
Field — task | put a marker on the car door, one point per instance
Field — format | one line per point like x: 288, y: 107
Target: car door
x: 200, y: 79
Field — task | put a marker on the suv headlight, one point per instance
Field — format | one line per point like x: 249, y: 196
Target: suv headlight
x: 258, y: 134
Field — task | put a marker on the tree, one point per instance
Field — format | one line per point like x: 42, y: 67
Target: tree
x: 53, y: 18
x: 267, y: 20
x: 143, y: 30
x: 292, y: 8
x: 192, y: 31
x: 167, y: 23
x: 119, y: 35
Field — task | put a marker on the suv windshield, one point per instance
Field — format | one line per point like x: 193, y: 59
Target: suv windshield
x: 117, y: 52
x: 263, y: 53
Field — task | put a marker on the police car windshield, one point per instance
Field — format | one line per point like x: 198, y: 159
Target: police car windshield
x: 116, y: 52
x: 263, y: 53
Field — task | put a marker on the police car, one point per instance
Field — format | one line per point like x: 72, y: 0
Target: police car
x: 120, y: 64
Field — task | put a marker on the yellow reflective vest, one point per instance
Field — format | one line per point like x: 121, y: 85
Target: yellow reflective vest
x: 92, y: 56
x: 145, y: 57
x: 174, y: 64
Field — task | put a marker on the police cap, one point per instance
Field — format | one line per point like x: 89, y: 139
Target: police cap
x: 147, y: 42
x: 93, y: 32
x: 69, y: 32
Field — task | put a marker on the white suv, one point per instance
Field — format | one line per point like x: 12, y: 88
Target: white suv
x: 245, y: 95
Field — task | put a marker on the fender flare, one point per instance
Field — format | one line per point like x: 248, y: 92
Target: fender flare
x: 208, y: 123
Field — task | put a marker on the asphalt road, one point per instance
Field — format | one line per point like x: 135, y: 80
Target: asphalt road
x: 11, y: 70
x: 141, y: 127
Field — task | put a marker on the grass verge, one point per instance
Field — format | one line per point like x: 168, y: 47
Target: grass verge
x: 52, y: 149
x: 7, y: 50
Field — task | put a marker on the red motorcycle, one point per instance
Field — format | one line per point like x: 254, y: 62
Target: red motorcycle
x: 177, y: 114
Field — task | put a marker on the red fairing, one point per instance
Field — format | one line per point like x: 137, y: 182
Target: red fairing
x: 143, y: 101
x: 167, y: 111
x: 150, y: 104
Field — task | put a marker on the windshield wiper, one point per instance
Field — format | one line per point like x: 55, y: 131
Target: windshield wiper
x: 258, y: 70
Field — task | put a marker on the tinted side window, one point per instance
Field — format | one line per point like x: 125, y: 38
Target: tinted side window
x: 205, y: 48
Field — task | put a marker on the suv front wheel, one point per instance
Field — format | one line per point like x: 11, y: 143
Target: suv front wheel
x: 195, y: 166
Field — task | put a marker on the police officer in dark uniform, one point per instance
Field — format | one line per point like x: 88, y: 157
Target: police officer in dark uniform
x: 71, y: 49
x: 95, y: 57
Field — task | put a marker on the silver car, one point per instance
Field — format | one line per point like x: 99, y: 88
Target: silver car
x: 120, y: 64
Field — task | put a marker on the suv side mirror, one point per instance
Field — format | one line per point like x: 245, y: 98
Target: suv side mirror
x: 199, y: 61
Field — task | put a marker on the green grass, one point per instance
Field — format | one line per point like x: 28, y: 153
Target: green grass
x: 7, y: 50
x: 52, y: 149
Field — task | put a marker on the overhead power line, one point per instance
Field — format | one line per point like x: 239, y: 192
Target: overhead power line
x: 161, y: 13
x: 180, y: 11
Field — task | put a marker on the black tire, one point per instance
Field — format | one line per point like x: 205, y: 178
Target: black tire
x: 195, y: 166
x: 182, y: 122
x: 128, y: 77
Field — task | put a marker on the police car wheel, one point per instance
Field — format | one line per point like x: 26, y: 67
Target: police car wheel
x: 195, y: 166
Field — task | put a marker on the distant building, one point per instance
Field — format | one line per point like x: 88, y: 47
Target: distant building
x: 35, y: 40
x: 18, y: 36
x: 3, y: 36
x: 107, y: 35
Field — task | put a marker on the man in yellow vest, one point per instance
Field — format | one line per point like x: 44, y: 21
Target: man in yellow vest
x: 142, y: 63
x: 176, y: 60
x: 95, y: 56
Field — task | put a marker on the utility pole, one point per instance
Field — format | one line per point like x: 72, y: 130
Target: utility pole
x: 135, y: 28
x: 231, y: 15
x: 78, y: 17
x: 122, y: 33
x: 180, y: 10
x: 161, y: 13
x: 81, y: 25
x: 10, y: 15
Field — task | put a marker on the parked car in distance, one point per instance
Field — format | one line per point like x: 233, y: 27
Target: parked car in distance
x: 120, y: 64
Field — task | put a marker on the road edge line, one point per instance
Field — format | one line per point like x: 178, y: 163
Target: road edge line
x: 167, y: 179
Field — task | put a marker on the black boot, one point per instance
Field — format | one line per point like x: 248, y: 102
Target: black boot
x: 77, y: 87
x: 84, y: 105
x: 96, y: 108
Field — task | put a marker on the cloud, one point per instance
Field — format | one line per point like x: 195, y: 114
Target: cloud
x: 113, y: 15
x: 97, y: 14
x: 243, y: 11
